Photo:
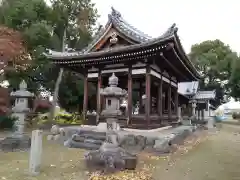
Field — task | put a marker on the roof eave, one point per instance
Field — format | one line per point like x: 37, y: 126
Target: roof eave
x: 123, y: 49
x: 184, y: 55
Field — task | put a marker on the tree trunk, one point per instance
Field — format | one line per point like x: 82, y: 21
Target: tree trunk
x: 55, y: 95
x: 57, y: 85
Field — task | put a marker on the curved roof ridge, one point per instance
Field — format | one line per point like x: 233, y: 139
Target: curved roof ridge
x: 169, y: 32
x: 118, y: 17
x: 113, y: 50
x: 167, y: 35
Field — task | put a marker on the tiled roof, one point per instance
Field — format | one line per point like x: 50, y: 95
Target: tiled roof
x: 142, y: 42
x: 115, y: 19
x: 188, y: 88
x: 205, y: 95
x: 86, y: 54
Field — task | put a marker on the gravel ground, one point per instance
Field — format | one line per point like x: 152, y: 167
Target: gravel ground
x: 208, y: 157
x: 217, y: 158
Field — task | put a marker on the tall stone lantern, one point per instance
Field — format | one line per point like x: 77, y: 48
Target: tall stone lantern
x: 18, y: 140
x: 110, y: 153
x: 112, y: 95
x: 20, y: 108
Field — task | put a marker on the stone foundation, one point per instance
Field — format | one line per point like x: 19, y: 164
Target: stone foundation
x: 10, y: 144
x: 133, y: 142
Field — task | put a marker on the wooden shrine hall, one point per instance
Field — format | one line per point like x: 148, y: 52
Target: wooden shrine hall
x: 148, y: 68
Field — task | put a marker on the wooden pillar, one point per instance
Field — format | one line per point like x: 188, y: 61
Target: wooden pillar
x: 148, y: 95
x: 160, y: 103
x: 99, y: 85
x: 140, y: 97
x: 85, y: 97
x: 130, y: 95
x: 169, y: 101
x: 176, y: 100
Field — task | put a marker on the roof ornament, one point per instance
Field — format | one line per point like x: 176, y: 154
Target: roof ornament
x: 171, y: 29
x: 23, y: 85
x: 113, y: 80
x: 115, y: 13
x: 113, y: 39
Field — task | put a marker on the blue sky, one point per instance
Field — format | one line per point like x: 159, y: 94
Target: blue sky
x: 197, y: 20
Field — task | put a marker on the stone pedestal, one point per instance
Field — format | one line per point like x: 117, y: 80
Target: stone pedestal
x: 112, y: 157
x: 19, y: 123
x: 210, y: 123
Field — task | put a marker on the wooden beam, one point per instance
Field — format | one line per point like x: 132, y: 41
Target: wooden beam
x: 85, y: 98
x: 130, y: 94
x: 99, y: 85
x: 148, y: 95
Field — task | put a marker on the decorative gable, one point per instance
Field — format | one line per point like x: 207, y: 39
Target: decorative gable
x: 121, y: 30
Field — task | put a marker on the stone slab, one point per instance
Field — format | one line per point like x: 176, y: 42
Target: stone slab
x: 162, y: 146
x: 89, y: 146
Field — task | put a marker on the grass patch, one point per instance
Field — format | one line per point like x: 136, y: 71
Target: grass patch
x: 58, y: 162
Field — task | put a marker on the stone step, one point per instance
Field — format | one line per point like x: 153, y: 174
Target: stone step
x: 81, y: 137
x: 93, y: 141
x: 84, y: 145
x: 93, y: 136
x: 92, y: 133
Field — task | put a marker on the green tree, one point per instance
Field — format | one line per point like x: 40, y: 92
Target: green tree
x: 43, y: 27
x: 214, y: 60
x: 29, y: 18
x: 73, y: 21
x: 234, y: 80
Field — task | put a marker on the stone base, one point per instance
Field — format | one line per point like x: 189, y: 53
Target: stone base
x: 15, y: 143
x: 110, y: 158
x: 90, y: 140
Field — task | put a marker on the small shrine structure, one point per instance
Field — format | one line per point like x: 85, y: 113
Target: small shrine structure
x: 194, y: 101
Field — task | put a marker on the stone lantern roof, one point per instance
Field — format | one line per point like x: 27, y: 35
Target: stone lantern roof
x: 22, y: 92
x: 112, y: 89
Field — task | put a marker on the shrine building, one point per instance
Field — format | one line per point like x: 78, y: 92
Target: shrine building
x: 148, y: 68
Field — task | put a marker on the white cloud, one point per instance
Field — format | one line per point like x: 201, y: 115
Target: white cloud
x: 197, y: 20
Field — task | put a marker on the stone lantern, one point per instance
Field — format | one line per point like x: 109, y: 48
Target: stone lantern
x: 112, y: 95
x: 18, y: 140
x: 20, y: 108
x: 110, y: 153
